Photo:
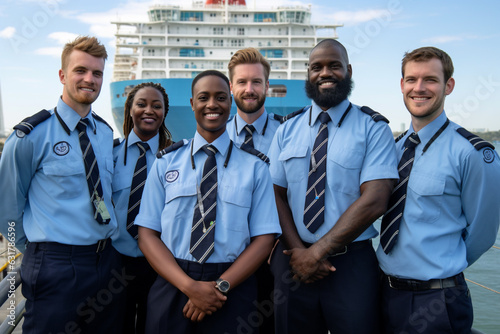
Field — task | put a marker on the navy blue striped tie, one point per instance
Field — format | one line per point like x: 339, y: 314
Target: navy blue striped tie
x: 92, y: 171
x: 314, y: 208
x: 203, y: 230
x: 136, y: 189
x: 249, y: 134
x: 389, y: 228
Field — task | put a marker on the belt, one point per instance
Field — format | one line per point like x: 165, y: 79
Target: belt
x: 64, y: 248
x: 416, y: 285
x: 348, y: 248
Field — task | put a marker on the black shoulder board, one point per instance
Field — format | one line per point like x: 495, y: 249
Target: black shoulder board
x: 257, y: 153
x: 171, y: 148
x: 116, y: 142
x: 295, y: 113
x: 278, y: 118
x: 373, y: 114
x: 29, y: 123
x: 100, y: 119
x: 400, y: 136
x: 476, y: 141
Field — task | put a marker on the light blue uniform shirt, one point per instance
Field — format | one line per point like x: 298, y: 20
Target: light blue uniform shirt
x: 360, y: 150
x: 122, y: 181
x: 245, y: 199
x: 452, y: 208
x: 44, y: 181
x: 262, y: 136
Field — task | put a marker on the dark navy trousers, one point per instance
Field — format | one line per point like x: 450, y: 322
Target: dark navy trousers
x: 136, y: 293
x: 435, y: 311
x: 165, y: 304
x: 72, y: 289
x: 347, y: 301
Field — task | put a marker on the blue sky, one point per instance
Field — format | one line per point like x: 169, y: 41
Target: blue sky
x: 376, y: 34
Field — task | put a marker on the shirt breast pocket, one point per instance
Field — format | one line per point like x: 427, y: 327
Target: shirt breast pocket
x: 120, y: 182
x: 179, y: 197
x: 238, y: 202
x: 295, y: 163
x: 66, y: 177
x: 428, y: 193
x: 344, y: 170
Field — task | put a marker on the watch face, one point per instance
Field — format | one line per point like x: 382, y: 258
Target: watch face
x: 223, y: 285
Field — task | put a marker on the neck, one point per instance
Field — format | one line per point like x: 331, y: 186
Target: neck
x: 81, y: 109
x: 250, y: 118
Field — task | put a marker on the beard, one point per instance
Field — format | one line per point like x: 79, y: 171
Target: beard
x: 240, y: 103
x: 329, y: 97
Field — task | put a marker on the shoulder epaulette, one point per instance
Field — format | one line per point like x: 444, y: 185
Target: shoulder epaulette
x: 475, y: 140
x: 398, y: 138
x: 29, y: 123
x: 249, y: 149
x: 116, y: 142
x: 171, y: 148
x: 278, y: 118
x: 295, y: 113
x: 376, y: 116
x: 100, y: 119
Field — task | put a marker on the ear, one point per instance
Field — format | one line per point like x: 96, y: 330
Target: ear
x: 191, y: 101
x: 267, y: 87
x: 450, y: 85
x: 231, y: 87
x: 402, y: 85
x: 349, y: 69
x: 62, y: 78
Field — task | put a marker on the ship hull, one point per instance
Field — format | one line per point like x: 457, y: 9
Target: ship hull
x: 288, y: 96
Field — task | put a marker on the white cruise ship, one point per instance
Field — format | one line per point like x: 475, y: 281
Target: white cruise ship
x: 179, y: 42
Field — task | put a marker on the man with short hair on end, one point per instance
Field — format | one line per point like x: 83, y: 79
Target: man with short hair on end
x: 333, y: 165
x: 444, y: 212
x: 252, y: 126
x: 56, y: 169
x: 249, y: 78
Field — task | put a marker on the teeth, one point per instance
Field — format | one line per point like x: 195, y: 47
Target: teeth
x: 87, y: 89
x: 420, y: 98
x: 326, y: 84
x: 212, y: 115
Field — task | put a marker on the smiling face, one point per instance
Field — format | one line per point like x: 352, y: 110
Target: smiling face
x: 147, y: 112
x: 249, y: 87
x: 328, y: 76
x: 82, y: 80
x: 211, y: 103
x: 424, y: 90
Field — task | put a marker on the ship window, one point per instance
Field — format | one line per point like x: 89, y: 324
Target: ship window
x: 276, y: 91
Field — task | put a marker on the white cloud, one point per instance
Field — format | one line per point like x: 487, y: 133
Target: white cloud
x: 452, y: 38
x: 62, y: 37
x: 356, y: 17
x: 7, y: 32
x: 50, y: 51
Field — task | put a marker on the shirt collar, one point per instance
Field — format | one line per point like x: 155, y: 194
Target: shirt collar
x: 153, y: 142
x: 71, y: 117
x: 426, y: 133
x: 335, y: 113
x: 258, y: 124
x: 221, y: 143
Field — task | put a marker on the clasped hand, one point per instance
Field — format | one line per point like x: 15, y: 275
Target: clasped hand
x: 306, y: 266
x: 204, y: 299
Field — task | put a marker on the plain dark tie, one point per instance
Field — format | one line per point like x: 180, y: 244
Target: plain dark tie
x: 203, y: 230
x: 389, y: 228
x: 91, y: 169
x: 136, y: 189
x: 314, y: 208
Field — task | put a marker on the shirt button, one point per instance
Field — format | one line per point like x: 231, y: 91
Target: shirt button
x: 317, y: 236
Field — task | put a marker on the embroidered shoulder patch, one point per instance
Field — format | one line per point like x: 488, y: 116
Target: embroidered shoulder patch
x: 171, y: 176
x: 488, y: 155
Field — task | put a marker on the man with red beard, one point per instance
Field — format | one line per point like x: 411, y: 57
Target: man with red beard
x: 333, y: 166
x: 249, y: 77
x: 253, y: 127
x: 56, y: 169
